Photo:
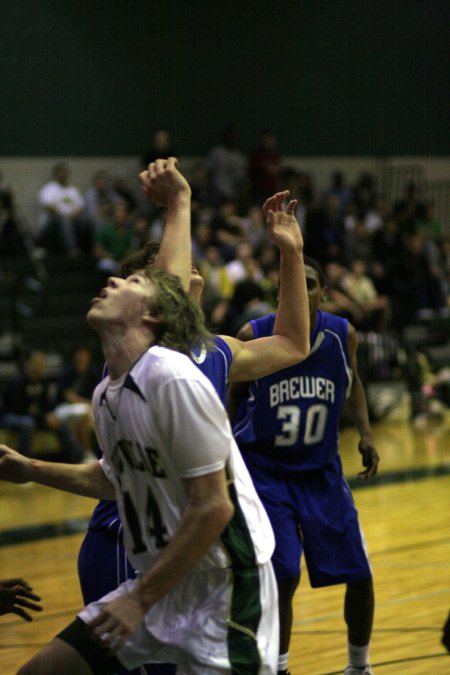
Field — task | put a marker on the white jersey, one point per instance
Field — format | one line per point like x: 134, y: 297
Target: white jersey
x: 160, y: 423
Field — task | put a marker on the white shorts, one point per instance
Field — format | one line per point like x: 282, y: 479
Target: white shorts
x: 215, y: 622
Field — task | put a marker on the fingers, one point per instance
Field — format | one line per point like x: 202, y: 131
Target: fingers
x: 371, y: 462
x: 172, y: 163
x: 291, y: 207
x: 161, y: 165
x: 156, y: 167
x: 22, y: 613
x: 275, y: 203
x: 29, y: 605
x: 110, y: 634
x: 9, y: 583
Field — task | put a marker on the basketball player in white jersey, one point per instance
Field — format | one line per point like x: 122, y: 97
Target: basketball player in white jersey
x: 205, y: 597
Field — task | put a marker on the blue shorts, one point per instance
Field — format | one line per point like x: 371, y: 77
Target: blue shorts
x: 313, y: 512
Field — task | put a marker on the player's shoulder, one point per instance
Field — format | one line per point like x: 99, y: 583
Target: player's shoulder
x: 333, y: 322
x: 159, y: 365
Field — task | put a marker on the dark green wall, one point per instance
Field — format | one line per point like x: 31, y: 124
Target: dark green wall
x: 331, y: 77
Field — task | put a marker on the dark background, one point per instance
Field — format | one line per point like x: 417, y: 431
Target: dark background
x: 330, y: 77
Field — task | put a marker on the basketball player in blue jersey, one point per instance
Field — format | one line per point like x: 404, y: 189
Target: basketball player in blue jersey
x: 102, y: 562
x: 194, y: 528
x: 287, y: 428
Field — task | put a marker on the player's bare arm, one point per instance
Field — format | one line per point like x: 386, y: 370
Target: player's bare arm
x: 289, y: 343
x: 87, y: 480
x: 165, y: 186
x: 206, y: 515
x: 357, y: 403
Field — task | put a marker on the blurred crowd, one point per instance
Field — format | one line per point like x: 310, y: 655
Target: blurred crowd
x: 386, y: 264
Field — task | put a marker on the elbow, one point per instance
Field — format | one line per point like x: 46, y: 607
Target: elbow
x: 304, y: 349
x: 299, y: 351
x: 223, y: 513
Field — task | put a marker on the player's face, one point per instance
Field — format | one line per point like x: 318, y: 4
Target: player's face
x: 315, y: 292
x: 122, y: 301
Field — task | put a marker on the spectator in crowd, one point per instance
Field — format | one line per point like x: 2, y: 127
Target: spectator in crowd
x: 264, y: 167
x: 443, y: 246
x: 386, y: 250
x: 161, y: 148
x: 428, y: 223
x: 244, y: 265
x: 254, y: 226
x: 100, y: 199
x: 227, y: 229
x: 375, y: 216
x: 11, y: 243
x: 140, y: 227
x: 28, y: 403
x: 202, y: 239
x: 419, y: 291
x: 364, y: 193
x: 325, y: 231
x: 360, y: 287
x: 218, y: 286
x: 114, y: 241
x: 75, y: 388
x: 247, y: 302
x: 358, y: 243
x: 342, y: 193
x: 122, y: 187
x: 227, y: 166
x: 62, y: 225
x: 16, y: 597
x: 409, y: 207
x: 338, y: 300
x: 204, y: 195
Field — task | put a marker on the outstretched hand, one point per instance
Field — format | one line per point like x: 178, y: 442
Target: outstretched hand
x: 14, y: 467
x: 370, y: 460
x: 15, y: 594
x: 282, y: 225
x: 163, y: 183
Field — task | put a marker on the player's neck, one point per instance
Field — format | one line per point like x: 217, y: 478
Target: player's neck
x: 121, y: 351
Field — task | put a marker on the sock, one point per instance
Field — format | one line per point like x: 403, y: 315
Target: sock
x: 358, y: 656
x: 283, y: 661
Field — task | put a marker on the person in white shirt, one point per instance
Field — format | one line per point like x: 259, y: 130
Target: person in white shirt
x: 194, y: 527
x: 62, y: 226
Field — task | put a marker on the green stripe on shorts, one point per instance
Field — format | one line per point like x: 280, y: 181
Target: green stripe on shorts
x: 245, y: 605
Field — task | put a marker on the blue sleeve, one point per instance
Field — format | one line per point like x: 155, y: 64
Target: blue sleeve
x: 263, y: 327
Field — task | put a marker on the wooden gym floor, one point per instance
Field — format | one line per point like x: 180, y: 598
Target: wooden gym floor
x: 405, y: 515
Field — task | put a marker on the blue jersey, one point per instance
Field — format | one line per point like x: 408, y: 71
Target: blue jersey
x: 291, y: 418
x: 215, y: 365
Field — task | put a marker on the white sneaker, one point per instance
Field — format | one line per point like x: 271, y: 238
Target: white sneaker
x: 354, y: 670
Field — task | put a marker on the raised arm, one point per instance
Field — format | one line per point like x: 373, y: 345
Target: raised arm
x: 165, y: 186
x: 289, y: 343
x: 357, y: 404
x: 87, y: 480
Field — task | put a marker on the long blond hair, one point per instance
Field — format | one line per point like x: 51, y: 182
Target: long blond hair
x: 182, y: 320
